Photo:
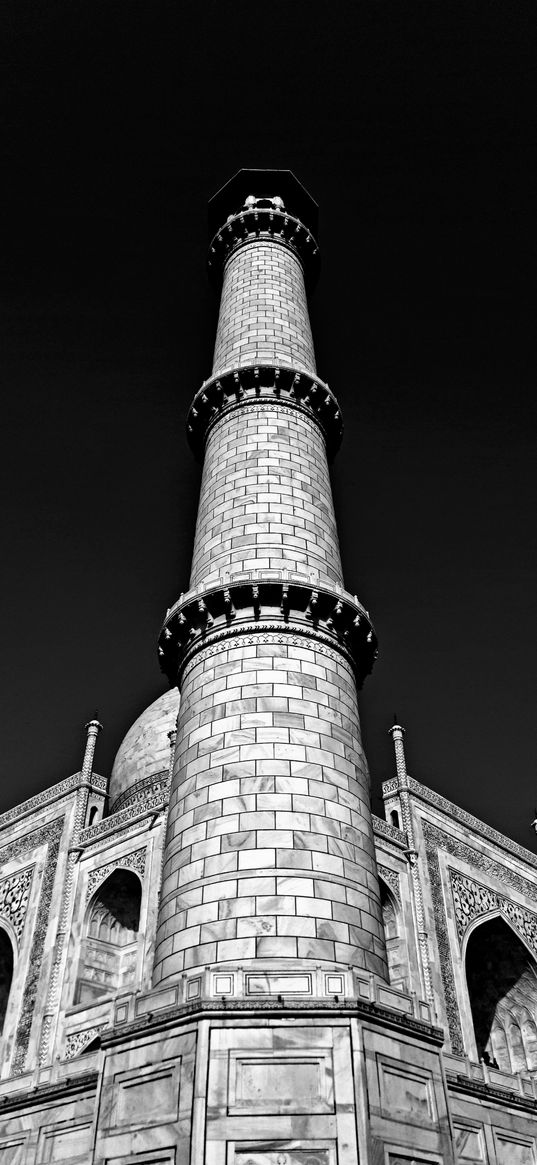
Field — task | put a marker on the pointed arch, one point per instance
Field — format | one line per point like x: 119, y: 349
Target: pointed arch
x: 393, y: 934
x: 501, y: 976
x: 6, y: 973
x: 109, y: 949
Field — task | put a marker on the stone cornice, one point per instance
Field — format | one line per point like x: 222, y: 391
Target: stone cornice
x: 262, y: 224
x: 264, y: 383
x: 384, y: 829
x: 54, y: 793
x: 258, y: 604
x: 431, y: 797
x: 490, y: 1092
x: 254, y: 1009
x: 48, y: 1093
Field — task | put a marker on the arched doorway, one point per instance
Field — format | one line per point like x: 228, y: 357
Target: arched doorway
x: 108, y: 956
x: 502, y: 985
x: 6, y: 973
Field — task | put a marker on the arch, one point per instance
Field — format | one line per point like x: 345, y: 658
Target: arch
x: 502, y: 986
x: 6, y: 973
x: 395, y: 945
x: 93, y: 815
x: 108, y: 955
x: 394, y: 818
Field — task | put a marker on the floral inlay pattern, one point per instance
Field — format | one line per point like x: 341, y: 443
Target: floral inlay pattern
x: 14, y: 898
x: 472, y: 900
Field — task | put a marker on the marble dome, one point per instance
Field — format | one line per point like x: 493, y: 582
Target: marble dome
x: 145, y: 750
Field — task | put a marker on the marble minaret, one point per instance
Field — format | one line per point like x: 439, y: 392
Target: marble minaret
x: 269, y: 873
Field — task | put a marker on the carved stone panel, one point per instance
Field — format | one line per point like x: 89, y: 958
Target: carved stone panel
x: 14, y: 898
x: 472, y: 900
x: 134, y: 861
x: 283, y: 1155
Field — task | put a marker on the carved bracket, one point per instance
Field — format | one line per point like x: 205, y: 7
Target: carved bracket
x: 264, y: 383
x: 264, y: 604
x: 264, y: 222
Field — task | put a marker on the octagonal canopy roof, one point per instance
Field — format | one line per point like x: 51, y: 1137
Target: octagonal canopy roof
x: 263, y: 184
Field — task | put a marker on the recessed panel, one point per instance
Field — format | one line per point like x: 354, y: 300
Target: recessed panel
x: 405, y: 1092
x: 147, y: 1095
x: 13, y: 1150
x: 514, y: 1150
x: 282, y: 1155
x: 65, y: 1142
x: 469, y: 1143
x: 278, y: 984
x: 281, y: 1082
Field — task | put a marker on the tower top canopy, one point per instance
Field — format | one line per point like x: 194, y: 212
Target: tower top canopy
x: 263, y: 184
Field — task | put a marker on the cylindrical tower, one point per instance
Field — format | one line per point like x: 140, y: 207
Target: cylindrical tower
x: 269, y: 862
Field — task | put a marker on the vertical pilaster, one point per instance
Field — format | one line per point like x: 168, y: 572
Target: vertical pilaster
x: 269, y: 858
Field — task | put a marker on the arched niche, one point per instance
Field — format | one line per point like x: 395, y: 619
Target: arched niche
x: 502, y: 986
x: 393, y: 934
x: 6, y: 973
x: 109, y: 948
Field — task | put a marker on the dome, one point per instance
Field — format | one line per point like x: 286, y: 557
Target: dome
x: 145, y: 750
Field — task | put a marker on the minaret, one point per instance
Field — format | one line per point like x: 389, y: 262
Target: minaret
x: 269, y: 863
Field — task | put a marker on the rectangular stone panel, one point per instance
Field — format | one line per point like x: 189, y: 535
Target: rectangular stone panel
x: 270, y: 984
x: 514, y: 1150
x: 283, y: 1081
x: 64, y: 1142
x: 469, y: 1142
x: 309, y: 1153
x: 13, y: 1150
x: 147, y: 1095
x: 405, y: 1093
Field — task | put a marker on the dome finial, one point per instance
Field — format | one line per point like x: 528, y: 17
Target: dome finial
x: 93, y: 727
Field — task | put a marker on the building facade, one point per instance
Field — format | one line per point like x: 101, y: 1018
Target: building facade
x: 219, y: 956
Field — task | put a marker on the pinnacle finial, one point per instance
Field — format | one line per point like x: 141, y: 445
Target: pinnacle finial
x: 397, y: 732
x: 93, y: 727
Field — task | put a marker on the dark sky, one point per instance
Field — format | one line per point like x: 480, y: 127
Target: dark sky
x: 414, y: 127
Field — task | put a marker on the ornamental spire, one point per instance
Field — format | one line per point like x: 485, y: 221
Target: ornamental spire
x: 93, y: 727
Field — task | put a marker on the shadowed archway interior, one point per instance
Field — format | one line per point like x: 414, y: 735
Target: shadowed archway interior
x: 6, y: 973
x: 502, y: 986
x: 109, y: 951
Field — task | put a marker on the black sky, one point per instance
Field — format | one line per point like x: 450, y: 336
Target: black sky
x: 414, y: 127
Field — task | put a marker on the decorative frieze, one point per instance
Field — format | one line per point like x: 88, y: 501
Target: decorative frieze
x: 134, y: 861
x: 139, y: 793
x: 14, y: 898
x: 149, y: 802
x: 270, y: 384
x: 389, y: 831
x: 256, y: 603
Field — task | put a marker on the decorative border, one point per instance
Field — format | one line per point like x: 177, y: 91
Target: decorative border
x: 50, y: 835
x: 273, y: 384
x: 113, y: 824
x: 52, y: 794
x: 138, y: 794
x: 431, y: 797
x: 252, y: 604
x: 134, y: 861
x: 435, y: 840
